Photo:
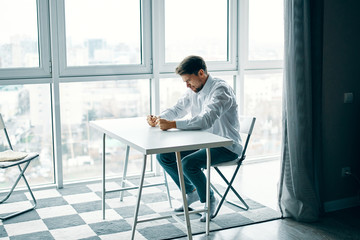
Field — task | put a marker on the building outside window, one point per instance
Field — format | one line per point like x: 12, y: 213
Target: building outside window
x: 82, y: 145
x: 19, y: 38
x: 27, y: 114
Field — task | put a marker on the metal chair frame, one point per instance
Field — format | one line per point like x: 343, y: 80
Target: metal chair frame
x: 246, y: 127
x: 26, y: 161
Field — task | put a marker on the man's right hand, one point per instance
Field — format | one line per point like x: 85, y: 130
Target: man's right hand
x: 152, y: 120
x: 166, y: 124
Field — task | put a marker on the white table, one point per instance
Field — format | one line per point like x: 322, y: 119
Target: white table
x: 136, y: 133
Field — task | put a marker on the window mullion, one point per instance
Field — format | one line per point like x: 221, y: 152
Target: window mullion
x: 55, y: 58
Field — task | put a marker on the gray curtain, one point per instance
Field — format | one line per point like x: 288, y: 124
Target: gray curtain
x: 298, y: 197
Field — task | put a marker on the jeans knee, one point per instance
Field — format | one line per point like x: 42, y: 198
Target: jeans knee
x: 160, y: 158
x: 189, y: 165
x: 164, y: 158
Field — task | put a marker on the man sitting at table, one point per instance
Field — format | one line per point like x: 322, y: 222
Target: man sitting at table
x: 212, y: 106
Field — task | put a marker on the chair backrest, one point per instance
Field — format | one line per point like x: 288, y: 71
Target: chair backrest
x: 2, y: 127
x: 247, y: 124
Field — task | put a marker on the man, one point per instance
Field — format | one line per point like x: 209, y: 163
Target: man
x: 212, y: 106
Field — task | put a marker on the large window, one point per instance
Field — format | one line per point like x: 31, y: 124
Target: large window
x: 24, y: 40
x: 110, y: 33
x: 263, y: 97
x: 262, y: 79
x: 26, y: 112
x: 64, y: 63
x: 266, y: 38
x: 82, y: 145
x: 196, y: 28
x: 202, y: 27
x: 19, y: 34
x: 104, y: 38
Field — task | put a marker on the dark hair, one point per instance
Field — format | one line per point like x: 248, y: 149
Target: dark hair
x: 191, y: 65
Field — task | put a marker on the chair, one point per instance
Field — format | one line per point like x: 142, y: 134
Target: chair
x: 246, y: 127
x: 17, y: 163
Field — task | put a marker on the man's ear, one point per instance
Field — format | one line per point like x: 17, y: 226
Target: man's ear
x: 201, y: 72
x: 202, y: 75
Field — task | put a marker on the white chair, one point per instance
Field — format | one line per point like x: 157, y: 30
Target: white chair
x: 17, y: 163
x: 246, y: 128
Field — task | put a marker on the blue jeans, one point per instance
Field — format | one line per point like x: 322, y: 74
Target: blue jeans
x: 193, y: 162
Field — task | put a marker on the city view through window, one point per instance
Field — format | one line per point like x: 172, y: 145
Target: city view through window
x: 19, y: 34
x: 120, y: 43
x: 181, y: 41
x: 26, y: 111
x: 84, y: 102
x: 27, y: 108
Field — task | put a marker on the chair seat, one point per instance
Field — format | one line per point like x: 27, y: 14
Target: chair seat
x: 28, y: 158
x: 228, y: 163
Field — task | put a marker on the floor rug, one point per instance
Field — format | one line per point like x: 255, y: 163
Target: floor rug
x: 74, y: 212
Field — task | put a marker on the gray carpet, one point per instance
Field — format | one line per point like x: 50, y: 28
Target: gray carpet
x: 75, y: 213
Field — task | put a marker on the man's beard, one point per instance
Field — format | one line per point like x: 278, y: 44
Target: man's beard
x: 199, y: 88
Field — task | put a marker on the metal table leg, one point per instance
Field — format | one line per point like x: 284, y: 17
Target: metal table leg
x: 103, y: 178
x: 183, y: 192
x: 208, y: 165
x: 124, y: 171
x: 138, y: 198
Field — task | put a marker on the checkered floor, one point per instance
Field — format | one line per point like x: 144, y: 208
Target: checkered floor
x: 74, y: 212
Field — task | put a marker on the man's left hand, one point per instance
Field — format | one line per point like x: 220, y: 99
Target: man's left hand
x: 166, y: 124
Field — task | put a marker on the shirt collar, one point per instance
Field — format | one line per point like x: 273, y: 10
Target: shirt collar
x: 207, y: 87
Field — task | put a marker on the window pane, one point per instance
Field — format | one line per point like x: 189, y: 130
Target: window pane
x: 171, y: 89
x: 263, y: 99
x: 26, y: 112
x: 107, y: 33
x: 82, y: 145
x: 266, y: 30
x: 196, y: 28
x: 19, y: 34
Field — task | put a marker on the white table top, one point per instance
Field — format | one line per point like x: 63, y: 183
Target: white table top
x: 136, y: 133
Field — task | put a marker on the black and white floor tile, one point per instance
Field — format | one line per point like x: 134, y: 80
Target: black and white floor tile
x: 74, y: 212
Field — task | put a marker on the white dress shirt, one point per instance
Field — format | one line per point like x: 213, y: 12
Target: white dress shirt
x: 213, y: 109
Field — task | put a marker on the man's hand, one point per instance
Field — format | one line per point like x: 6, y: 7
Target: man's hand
x: 152, y: 120
x: 166, y: 124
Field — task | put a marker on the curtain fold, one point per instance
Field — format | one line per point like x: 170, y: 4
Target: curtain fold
x: 297, y: 194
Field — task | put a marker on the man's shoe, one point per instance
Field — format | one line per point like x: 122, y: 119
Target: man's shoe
x: 181, y: 209
x: 213, y: 205
x: 191, y: 198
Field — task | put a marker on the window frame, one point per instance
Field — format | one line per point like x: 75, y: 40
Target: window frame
x: 230, y: 65
x: 62, y: 177
x: 241, y: 96
x: 44, y: 69
x: 105, y: 70
x: 51, y: 30
x: 247, y: 64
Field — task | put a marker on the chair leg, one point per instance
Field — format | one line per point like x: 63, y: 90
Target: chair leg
x: 21, y: 175
x: 222, y: 199
x: 167, y: 189
x: 13, y: 186
x: 229, y: 186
